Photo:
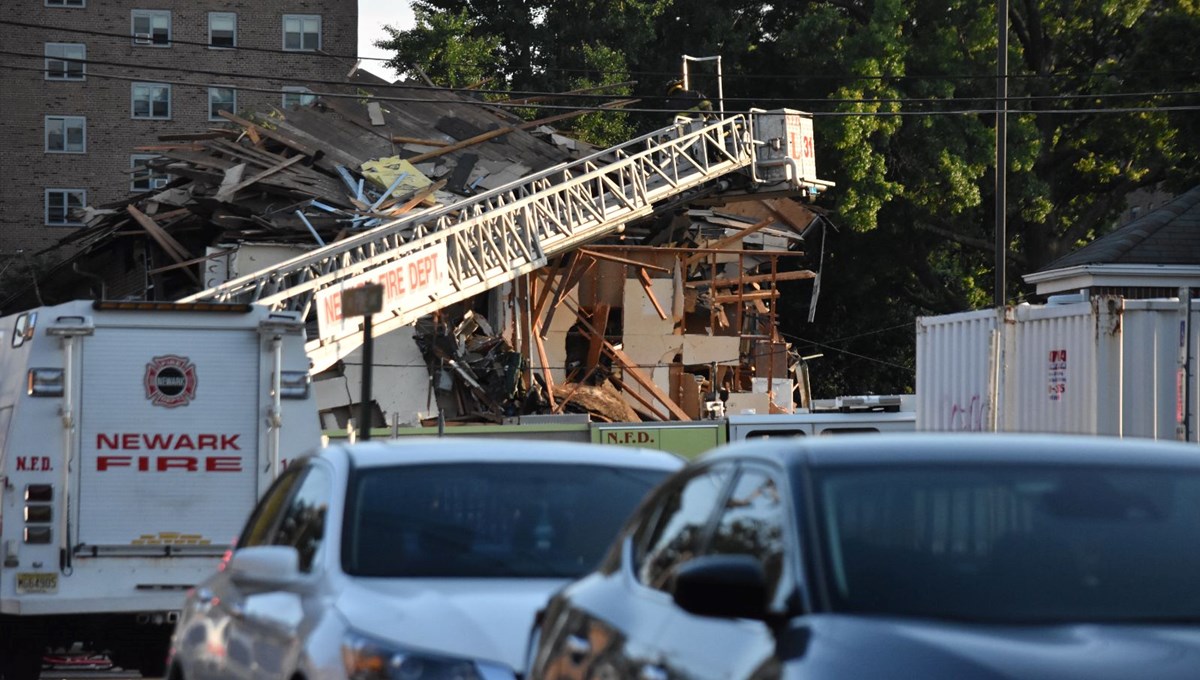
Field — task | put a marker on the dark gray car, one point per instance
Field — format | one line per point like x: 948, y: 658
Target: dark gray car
x: 899, y: 556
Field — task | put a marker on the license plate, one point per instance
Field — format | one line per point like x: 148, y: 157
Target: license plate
x: 37, y: 583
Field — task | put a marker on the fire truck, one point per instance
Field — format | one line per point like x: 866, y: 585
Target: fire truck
x: 135, y: 437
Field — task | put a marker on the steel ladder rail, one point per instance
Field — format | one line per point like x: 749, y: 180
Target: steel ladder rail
x: 499, y: 235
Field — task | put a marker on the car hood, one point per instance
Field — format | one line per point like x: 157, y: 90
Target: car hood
x: 921, y: 648
x: 487, y: 619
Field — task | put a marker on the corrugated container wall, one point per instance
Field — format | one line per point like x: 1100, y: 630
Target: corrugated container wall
x: 956, y: 371
x: 1106, y: 366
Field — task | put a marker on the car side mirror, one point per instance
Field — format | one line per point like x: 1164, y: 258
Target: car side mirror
x: 724, y: 586
x: 265, y: 567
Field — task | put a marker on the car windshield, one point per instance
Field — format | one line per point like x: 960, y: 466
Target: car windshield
x: 1012, y: 543
x: 487, y: 520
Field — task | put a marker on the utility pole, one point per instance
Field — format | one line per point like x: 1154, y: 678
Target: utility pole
x: 1001, y: 150
x: 364, y: 301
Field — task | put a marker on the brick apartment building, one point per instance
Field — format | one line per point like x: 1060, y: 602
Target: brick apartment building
x: 68, y: 129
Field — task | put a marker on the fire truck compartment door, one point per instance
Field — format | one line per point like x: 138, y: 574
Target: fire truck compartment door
x: 169, y: 435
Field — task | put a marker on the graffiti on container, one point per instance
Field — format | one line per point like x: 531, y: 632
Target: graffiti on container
x: 1057, y: 374
x: 967, y: 418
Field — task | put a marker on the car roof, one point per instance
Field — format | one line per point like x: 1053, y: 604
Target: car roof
x: 940, y: 448
x: 455, y: 450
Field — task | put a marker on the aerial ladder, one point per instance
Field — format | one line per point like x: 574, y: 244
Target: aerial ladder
x: 432, y: 259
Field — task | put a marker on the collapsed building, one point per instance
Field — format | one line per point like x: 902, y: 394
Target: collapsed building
x: 672, y: 315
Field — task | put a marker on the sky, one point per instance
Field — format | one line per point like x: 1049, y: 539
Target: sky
x: 372, y: 16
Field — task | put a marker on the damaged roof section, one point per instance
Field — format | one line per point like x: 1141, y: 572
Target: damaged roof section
x: 353, y: 158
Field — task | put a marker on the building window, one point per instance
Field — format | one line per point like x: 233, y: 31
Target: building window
x: 221, y: 99
x: 151, y: 101
x: 66, y: 3
x: 152, y: 27
x: 301, y: 32
x: 61, y: 205
x: 297, y: 96
x: 65, y: 61
x: 66, y: 134
x: 222, y: 29
x: 143, y: 177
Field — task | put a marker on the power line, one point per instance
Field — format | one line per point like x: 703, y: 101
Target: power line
x: 732, y: 77
x: 853, y: 354
x: 610, y: 97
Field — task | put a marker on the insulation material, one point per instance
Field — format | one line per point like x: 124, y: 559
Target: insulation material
x: 384, y: 171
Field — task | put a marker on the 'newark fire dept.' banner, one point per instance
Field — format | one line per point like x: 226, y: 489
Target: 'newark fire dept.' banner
x: 407, y: 282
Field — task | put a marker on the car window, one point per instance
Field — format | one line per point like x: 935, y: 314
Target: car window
x: 488, y: 520
x: 266, y: 513
x: 679, y: 526
x: 752, y: 523
x: 303, y: 523
x: 1012, y: 542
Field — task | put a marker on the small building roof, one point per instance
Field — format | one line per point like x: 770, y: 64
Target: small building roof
x: 1169, y: 235
x: 1157, y: 252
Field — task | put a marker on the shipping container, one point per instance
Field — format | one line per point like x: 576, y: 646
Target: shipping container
x: 1107, y: 365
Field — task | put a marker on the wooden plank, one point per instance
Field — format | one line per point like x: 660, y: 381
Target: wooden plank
x: 728, y: 240
x: 165, y: 241
x: 646, y: 285
x: 654, y: 410
x: 631, y: 369
x: 272, y: 134
x: 417, y: 198
x: 227, y: 192
x: 536, y: 314
x: 622, y: 260
x: 756, y: 278
x: 559, y: 292
x: 401, y: 139
x: 745, y: 297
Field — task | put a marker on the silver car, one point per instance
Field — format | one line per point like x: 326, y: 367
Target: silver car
x: 426, y: 559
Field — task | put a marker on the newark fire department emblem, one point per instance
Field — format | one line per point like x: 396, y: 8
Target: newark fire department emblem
x: 170, y: 381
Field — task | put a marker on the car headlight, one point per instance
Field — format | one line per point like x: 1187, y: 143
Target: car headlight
x: 369, y: 659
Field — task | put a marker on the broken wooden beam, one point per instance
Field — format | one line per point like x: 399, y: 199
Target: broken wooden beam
x: 623, y: 260
x: 731, y: 239
x: 252, y: 127
x: 401, y: 139
x: 744, y: 297
x: 755, y: 278
x: 644, y: 278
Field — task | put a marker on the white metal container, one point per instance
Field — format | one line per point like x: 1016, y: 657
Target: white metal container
x: 1107, y: 366
x: 956, y: 367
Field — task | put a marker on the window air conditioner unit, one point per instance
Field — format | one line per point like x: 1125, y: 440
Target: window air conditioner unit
x: 159, y: 182
x: 143, y: 39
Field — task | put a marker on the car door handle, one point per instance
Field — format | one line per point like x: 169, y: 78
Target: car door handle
x: 578, y: 648
x: 650, y: 672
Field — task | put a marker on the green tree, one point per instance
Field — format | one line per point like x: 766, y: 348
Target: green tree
x: 904, y: 93
x: 445, y: 46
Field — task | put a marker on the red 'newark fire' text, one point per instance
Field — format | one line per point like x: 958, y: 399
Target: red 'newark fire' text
x: 133, y: 441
